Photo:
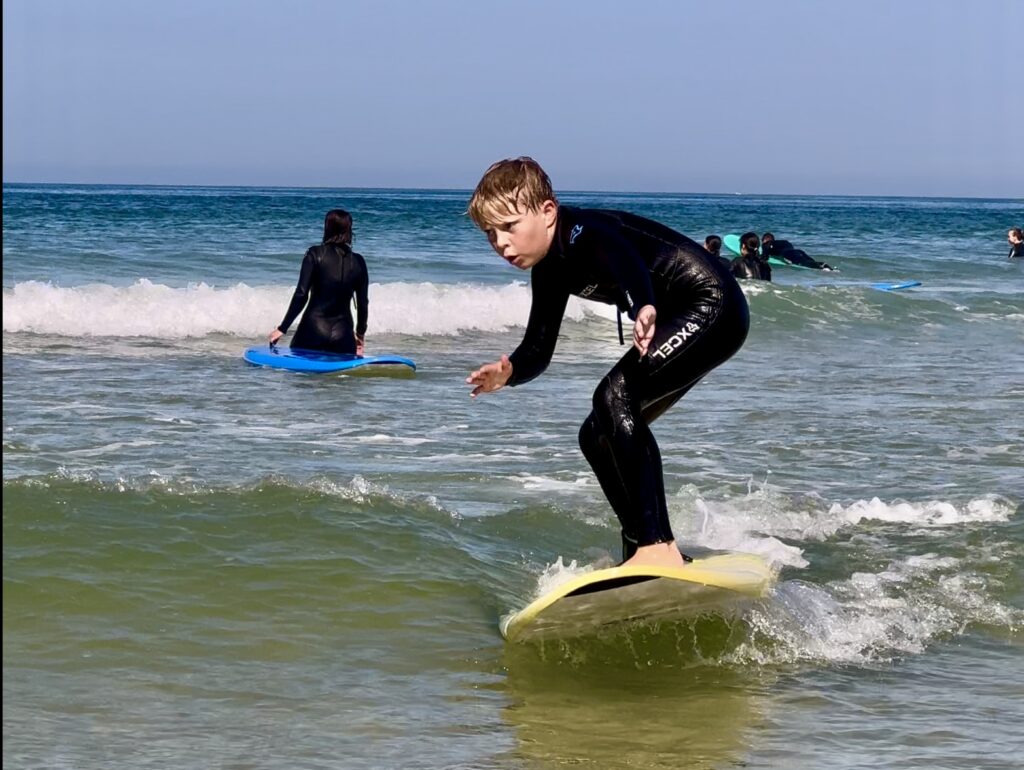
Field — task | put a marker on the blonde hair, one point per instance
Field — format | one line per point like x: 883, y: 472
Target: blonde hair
x: 509, y: 187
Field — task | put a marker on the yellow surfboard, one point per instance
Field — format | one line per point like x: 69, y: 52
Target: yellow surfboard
x: 722, y: 583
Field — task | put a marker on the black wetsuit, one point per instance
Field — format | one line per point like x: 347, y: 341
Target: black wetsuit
x: 1016, y: 250
x: 702, y: 319
x: 785, y: 251
x: 331, y: 275
x: 752, y: 266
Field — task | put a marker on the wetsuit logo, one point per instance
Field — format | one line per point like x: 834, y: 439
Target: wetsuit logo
x: 575, y: 233
x: 586, y: 291
x: 676, y: 341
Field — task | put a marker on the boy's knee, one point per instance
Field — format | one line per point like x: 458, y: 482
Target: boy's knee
x: 588, y: 436
x: 614, y: 411
x: 611, y: 398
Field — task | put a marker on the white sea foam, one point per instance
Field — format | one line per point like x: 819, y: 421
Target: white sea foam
x: 115, y: 446
x: 357, y: 489
x: 559, y: 572
x: 873, y: 617
x: 147, y: 309
x: 767, y: 512
x: 547, y: 484
x: 934, y: 513
x: 383, y: 438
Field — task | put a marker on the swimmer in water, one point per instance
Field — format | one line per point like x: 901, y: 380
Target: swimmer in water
x: 750, y: 264
x: 1016, y: 240
x: 713, y: 245
x: 784, y: 251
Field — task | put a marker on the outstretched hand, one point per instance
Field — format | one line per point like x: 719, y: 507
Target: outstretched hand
x: 490, y: 377
x: 643, y: 329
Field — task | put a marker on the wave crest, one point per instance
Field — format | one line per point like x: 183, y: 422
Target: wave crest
x: 147, y: 309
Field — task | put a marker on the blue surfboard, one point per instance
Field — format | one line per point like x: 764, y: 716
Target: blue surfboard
x: 295, y: 360
x: 895, y: 286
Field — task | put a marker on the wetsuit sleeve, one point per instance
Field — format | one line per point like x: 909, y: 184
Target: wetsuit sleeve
x: 534, y: 353
x: 616, y: 255
x: 362, y: 297
x: 301, y: 293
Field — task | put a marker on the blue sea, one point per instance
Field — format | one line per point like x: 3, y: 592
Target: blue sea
x: 213, y: 565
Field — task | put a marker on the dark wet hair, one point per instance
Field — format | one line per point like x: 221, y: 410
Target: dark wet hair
x: 767, y: 236
x: 338, y: 227
x: 1017, y: 232
x: 713, y: 243
x: 751, y: 241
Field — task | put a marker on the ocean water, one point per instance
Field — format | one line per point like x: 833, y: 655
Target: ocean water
x: 212, y: 565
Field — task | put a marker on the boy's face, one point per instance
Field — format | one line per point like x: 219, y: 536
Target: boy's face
x: 522, y: 239
x: 1012, y: 237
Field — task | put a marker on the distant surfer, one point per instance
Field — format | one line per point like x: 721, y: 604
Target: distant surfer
x: 750, y: 263
x: 689, y: 315
x: 1016, y: 240
x: 331, y: 275
x: 785, y: 251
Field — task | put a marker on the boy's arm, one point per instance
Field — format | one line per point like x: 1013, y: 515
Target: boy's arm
x: 534, y: 353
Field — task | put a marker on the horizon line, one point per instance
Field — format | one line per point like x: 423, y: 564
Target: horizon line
x: 470, y: 190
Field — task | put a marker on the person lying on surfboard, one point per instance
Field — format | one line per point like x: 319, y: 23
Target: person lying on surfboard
x: 331, y: 275
x: 785, y: 251
x: 689, y: 316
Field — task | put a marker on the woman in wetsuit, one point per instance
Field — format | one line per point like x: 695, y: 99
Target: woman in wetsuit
x: 331, y: 275
x: 689, y: 316
x: 750, y: 263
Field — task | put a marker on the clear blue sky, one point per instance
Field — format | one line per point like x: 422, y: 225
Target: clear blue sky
x: 894, y: 97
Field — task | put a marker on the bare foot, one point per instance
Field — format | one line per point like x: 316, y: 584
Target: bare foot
x: 657, y: 555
